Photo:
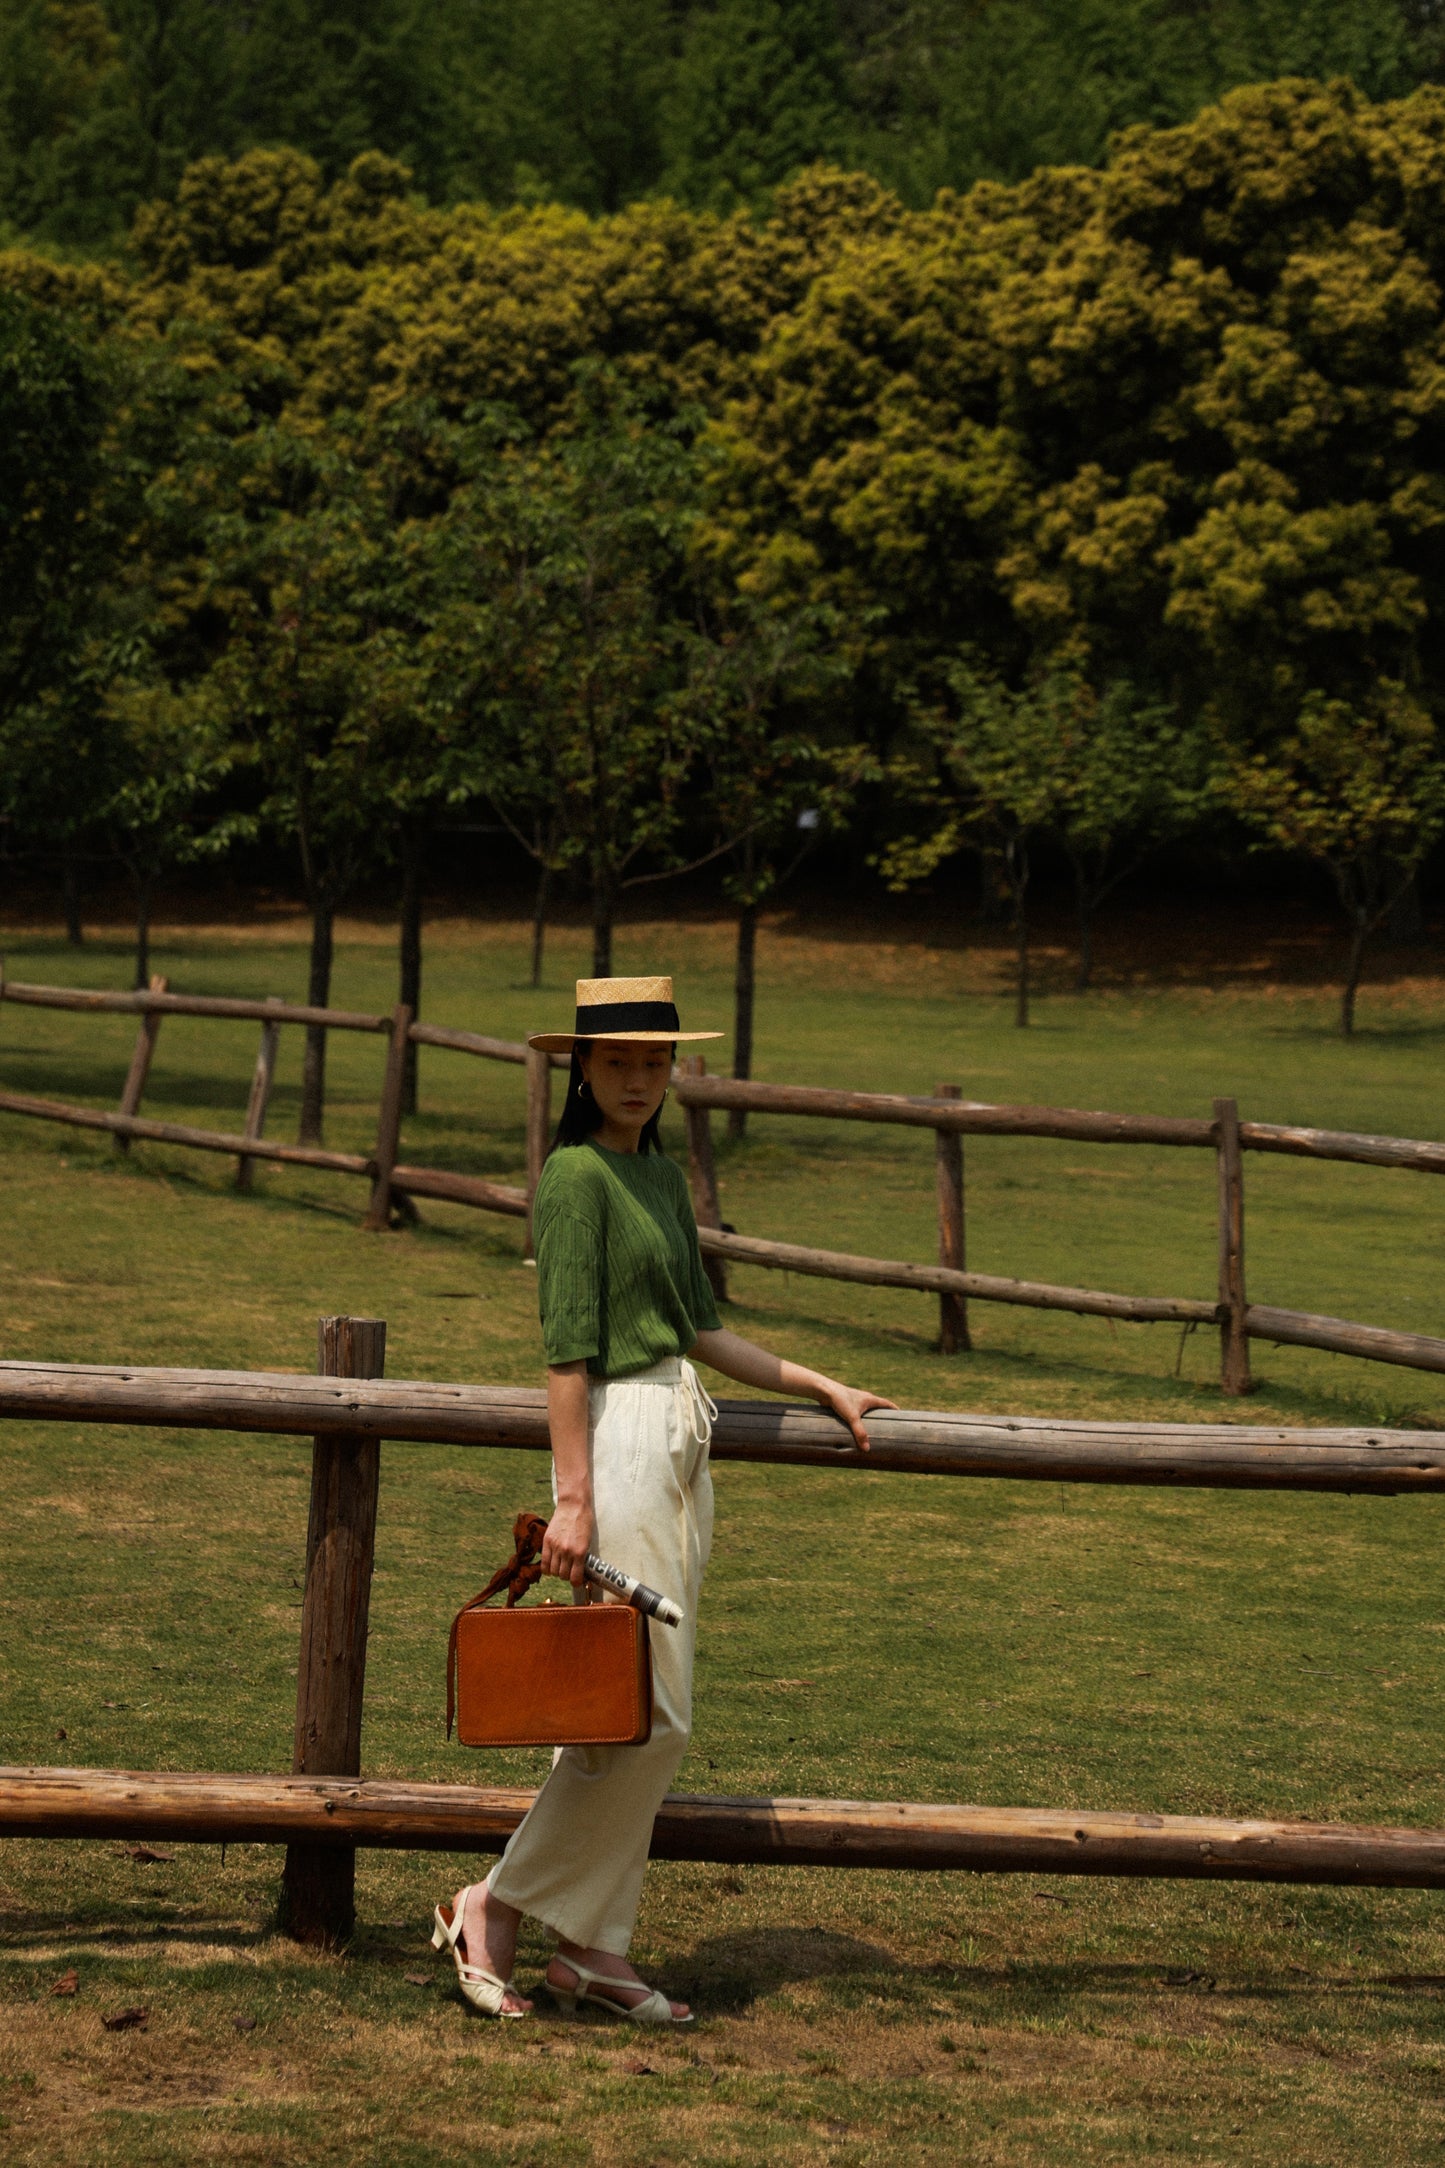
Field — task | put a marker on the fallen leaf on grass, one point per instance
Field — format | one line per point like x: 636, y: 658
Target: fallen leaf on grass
x: 146, y: 1856
x: 417, y: 1979
x: 244, y: 2024
x: 132, y: 2020
x: 67, y: 1984
x: 62, y: 1733
x: 636, y: 2068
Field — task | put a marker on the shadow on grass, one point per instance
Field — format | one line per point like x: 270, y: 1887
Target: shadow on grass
x: 730, y: 1972
x: 1366, y: 1035
x: 99, y: 1931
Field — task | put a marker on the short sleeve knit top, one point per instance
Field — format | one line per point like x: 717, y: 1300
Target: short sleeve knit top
x: 620, y: 1281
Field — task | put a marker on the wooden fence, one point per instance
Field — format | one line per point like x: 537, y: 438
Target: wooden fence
x: 395, y: 1182
x: 324, y: 1809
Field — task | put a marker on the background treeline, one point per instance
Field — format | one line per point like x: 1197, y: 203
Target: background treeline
x: 598, y: 103
x: 1102, y: 511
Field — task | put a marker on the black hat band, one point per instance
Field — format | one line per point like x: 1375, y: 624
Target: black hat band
x: 605, y: 1018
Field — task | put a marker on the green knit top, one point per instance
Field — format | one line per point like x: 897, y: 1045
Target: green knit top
x: 619, y: 1273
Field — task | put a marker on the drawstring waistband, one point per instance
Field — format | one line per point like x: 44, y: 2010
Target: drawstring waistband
x: 677, y: 1375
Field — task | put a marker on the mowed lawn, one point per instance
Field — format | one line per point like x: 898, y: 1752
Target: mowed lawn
x: 865, y: 1636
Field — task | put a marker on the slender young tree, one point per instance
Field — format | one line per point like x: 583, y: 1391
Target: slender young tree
x: 1362, y: 793
x: 63, y: 503
x: 756, y: 675
x: 1107, y: 775
x: 995, y: 766
x: 169, y: 759
x: 571, y: 577
x: 1134, y: 778
x: 299, y: 680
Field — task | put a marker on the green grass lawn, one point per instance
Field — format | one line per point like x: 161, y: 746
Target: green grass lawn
x: 864, y: 1635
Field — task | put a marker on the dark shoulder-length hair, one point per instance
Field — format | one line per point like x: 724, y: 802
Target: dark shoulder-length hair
x: 581, y: 1114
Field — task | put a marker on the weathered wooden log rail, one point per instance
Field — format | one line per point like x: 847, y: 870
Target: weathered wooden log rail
x: 970, y: 1117
x: 330, y: 1813
x: 1224, y: 1456
x: 324, y: 1810
x: 396, y: 1183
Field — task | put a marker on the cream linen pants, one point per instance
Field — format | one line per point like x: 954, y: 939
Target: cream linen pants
x: 576, y: 1862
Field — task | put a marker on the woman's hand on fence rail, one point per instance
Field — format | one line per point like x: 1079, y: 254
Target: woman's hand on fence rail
x: 850, y: 1407
x: 754, y: 1365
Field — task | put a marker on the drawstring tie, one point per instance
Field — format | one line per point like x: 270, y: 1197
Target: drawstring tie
x: 701, y: 1407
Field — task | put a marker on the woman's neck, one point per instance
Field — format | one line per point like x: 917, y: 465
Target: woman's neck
x: 613, y: 1139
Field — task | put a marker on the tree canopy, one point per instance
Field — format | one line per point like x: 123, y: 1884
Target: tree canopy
x: 104, y: 104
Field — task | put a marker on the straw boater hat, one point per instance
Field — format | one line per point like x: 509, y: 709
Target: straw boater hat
x: 640, y: 1009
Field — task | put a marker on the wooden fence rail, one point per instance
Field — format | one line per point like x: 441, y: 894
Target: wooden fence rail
x: 395, y: 1184
x: 195, y: 1140
x: 151, y: 1001
x: 324, y: 1809
x: 196, y: 1808
x: 983, y: 1118
x: 1221, y: 1456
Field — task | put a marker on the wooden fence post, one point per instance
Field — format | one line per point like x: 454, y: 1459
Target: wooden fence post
x: 1233, y: 1339
x: 702, y: 1175
x: 953, y: 1336
x: 318, y: 1889
x: 388, y: 1125
x: 539, y: 1129
x: 140, y: 1060
x: 262, y: 1078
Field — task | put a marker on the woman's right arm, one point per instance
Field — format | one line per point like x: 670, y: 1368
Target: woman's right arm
x: 572, y: 1530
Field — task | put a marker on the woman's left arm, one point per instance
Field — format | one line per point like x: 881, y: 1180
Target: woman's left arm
x: 753, y: 1365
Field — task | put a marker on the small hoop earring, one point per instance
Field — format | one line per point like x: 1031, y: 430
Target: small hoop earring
x: 582, y: 1089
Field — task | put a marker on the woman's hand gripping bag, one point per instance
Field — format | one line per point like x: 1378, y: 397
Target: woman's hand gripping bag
x: 547, y: 1674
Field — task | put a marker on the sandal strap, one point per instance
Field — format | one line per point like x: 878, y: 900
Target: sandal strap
x: 654, y: 2009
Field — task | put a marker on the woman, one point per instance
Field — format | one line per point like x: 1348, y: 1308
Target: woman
x: 624, y: 1299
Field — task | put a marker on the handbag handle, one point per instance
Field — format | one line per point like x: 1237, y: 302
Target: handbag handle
x: 522, y: 1571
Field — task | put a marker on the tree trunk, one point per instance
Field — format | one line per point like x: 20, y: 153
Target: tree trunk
x: 604, y: 907
x: 1017, y: 862
x: 1359, y: 933
x: 413, y: 861
x: 1406, y: 921
x: 744, y: 986
x: 142, y: 931
x: 318, y: 995
x: 70, y: 898
x: 1085, y: 972
x: 539, y: 921
x: 993, y: 889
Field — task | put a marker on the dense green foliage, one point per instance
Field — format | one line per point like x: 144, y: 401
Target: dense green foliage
x: 104, y: 103
x: 555, y: 514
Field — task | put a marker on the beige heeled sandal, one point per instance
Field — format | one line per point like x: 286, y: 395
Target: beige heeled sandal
x: 654, y: 2008
x: 482, y: 1989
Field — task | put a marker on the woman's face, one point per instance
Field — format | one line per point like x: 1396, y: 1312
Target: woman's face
x: 627, y: 1081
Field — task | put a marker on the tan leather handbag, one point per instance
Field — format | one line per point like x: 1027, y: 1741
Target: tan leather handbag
x: 548, y: 1674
